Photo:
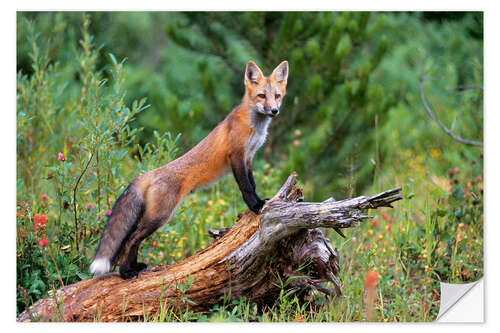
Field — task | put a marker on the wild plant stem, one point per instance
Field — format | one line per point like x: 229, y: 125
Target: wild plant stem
x: 57, y: 269
x: 75, y: 188
x: 98, y: 180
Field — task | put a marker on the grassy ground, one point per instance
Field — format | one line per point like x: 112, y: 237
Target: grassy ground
x: 422, y: 241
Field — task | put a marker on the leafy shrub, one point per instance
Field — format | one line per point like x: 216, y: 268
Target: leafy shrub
x: 72, y: 146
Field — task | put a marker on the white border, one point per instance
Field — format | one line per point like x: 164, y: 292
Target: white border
x: 492, y: 112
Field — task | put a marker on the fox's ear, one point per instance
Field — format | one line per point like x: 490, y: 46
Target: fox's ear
x: 253, y: 74
x: 280, y: 73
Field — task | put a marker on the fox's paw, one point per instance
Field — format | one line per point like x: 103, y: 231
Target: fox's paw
x: 140, y: 266
x: 258, y: 206
x: 129, y: 274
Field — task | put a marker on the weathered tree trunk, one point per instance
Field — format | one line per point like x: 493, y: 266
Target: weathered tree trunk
x: 245, y: 260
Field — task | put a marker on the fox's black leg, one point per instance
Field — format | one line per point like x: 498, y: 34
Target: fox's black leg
x: 252, y: 182
x: 250, y: 178
x: 155, y: 216
x: 130, y: 268
x: 241, y: 175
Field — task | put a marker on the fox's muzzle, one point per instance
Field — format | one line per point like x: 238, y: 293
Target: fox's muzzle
x: 271, y: 112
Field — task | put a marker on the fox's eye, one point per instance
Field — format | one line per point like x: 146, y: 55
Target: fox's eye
x: 261, y: 95
x: 277, y: 96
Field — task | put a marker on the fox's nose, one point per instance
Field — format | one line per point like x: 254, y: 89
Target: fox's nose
x: 274, y: 111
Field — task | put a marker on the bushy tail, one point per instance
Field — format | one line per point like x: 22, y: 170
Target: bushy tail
x: 126, y: 212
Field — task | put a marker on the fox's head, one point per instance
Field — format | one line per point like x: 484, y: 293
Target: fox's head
x: 265, y: 93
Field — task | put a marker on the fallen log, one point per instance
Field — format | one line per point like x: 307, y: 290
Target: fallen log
x: 248, y: 260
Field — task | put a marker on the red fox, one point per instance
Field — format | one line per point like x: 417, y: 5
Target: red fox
x: 152, y: 198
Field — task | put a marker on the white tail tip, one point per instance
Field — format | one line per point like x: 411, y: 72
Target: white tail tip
x: 100, y: 266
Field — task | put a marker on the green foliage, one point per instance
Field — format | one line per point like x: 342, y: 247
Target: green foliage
x: 352, y: 123
x: 71, y: 153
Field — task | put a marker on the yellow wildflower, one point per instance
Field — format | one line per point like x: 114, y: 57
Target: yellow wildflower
x: 435, y: 153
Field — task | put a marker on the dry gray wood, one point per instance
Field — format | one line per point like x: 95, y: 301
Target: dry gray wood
x: 247, y: 260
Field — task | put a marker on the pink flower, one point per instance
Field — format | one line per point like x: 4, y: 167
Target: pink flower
x: 40, y: 221
x: 374, y: 223
x: 90, y: 206
x: 479, y: 178
x: 43, y: 242
x: 108, y: 212
x: 43, y: 198
x: 61, y: 157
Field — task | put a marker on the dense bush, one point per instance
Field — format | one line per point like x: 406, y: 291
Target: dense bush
x: 104, y: 97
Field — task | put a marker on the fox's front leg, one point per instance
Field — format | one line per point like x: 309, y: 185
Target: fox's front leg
x: 246, y: 183
x: 250, y: 177
x: 252, y: 181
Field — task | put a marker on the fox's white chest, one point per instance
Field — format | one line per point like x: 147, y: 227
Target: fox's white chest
x: 258, y: 138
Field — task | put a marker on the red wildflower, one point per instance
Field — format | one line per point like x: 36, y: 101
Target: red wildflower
x: 479, y: 178
x: 374, y: 223
x: 435, y: 294
x: 389, y: 227
x: 153, y: 243
x: 23, y: 233
x: 43, y: 198
x: 61, y: 157
x: 24, y: 204
x: 39, y: 221
x: 370, y: 288
x: 371, y: 279
x: 18, y: 214
x: 385, y: 217
x: 108, y: 212
x: 299, y: 318
x: 43, y: 242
